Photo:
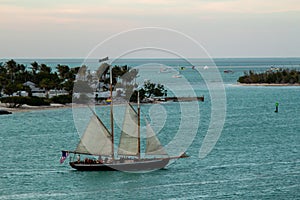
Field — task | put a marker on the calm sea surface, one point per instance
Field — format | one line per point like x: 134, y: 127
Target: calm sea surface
x: 256, y: 157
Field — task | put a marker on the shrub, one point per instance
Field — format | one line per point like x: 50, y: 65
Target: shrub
x: 15, y: 102
x: 62, y: 99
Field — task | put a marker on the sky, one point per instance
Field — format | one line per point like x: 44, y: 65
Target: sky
x: 224, y: 28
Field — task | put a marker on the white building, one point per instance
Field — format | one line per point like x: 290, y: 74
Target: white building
x: 36, y: 91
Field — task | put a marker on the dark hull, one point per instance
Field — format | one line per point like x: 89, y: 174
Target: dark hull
x: 143, y: 165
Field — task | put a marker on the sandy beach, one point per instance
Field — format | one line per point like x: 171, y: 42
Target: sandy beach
x: 26, y: 108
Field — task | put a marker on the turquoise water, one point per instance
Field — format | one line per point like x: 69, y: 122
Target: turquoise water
x: 256, y: 157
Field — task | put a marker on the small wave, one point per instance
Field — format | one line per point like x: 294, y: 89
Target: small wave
x: 249, y: 164
x: 29, y: 173
x: 32, y: 195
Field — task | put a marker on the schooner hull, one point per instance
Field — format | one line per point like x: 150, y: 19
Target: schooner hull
x: 145, y: 165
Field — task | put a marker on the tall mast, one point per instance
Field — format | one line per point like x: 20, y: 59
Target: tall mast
x: 139, y: 125
x: 111, y: 115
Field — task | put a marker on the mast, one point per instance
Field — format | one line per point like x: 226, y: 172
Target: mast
x: 111, y: 115
x: 139, y: 125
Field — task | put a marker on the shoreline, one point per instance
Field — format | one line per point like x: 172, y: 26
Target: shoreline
x: 27, y: 108
x: 267, y: 84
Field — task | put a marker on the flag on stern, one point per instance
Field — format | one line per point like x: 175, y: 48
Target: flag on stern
x: 64, y: 155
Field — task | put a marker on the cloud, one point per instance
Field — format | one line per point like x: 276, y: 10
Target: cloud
x: 130, y: 9
x: 98, y: 19
x: 113, y: 14
x: 253, y: 6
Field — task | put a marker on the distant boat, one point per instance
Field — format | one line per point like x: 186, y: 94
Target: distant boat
x: 177, y: 76
x: 98, y: 141
x: 228, y: 71
x: 205, y: 67
x: 165, y: 70
x: 274, y: 69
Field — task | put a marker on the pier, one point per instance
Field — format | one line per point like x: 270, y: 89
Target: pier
x: 179, y: 99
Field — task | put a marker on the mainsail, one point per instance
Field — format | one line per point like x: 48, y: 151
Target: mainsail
x: 153, y: 146
x: 96, y: 139
x: 129, y: 137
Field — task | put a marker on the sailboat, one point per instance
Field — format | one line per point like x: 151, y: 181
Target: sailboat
x: 98, y: 142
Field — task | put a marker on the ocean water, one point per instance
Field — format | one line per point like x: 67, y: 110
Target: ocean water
x: 256, y: 157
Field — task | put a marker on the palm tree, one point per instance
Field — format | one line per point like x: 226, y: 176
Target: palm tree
x: 11, y: 66
x: 35, y: 67
x: 63, y: 71
x: 45, y: 69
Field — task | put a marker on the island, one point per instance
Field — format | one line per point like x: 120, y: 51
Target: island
x: 271, y: 77
x: 41, y: 86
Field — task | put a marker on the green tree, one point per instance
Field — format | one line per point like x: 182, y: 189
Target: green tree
x: 11, y: 88
x: 63, y: 71
x: 149, y: 88
x: 45, y: 69
x: 68, y: 86
x: 47, y: 84
x: 11, y: 67
x: 3, y: 82
x: 35, y: 67
x: 159, y: 90
x: 152, y: 89
x: 134, y: 95
x: 278, y: 76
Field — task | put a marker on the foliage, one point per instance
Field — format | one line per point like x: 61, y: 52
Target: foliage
x: 280, y: 76
x: 134, y: 95
x: 15, y: 102
x: 152, y: 89
x: 68, y: 86
x: 62, y: 99
x: 13, y: 75
x: 11, y: 88
x: 126, y: 74
x: 148, y: 90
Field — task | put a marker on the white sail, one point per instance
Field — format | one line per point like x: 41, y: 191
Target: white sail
x: 128, y: 144
x: 96, y: 139
x: 153, y: 146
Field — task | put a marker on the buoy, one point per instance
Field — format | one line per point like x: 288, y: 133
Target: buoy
x: 276, y: 109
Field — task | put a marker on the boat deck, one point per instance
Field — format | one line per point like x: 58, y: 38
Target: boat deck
x: 127, y: 165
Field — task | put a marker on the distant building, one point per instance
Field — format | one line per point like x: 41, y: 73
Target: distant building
x: 53, y: 93
x: 39, y: 92
x: 36, y: 91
